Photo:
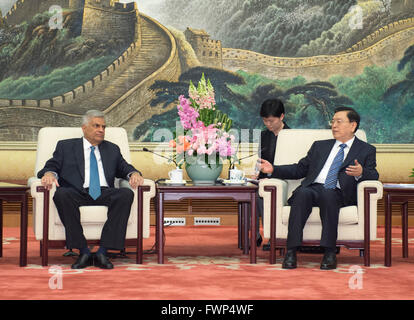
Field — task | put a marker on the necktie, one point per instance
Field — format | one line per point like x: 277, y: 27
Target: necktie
x: 332, y: 177
x: 94, y: 184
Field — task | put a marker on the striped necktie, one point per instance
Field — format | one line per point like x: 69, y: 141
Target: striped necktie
x: 94, y: 184
x: 332, y: 177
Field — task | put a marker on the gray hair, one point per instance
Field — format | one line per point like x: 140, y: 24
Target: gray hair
x: 91, y: 114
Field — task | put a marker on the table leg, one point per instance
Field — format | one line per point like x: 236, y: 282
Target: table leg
x: 246, y: 227
x: 45, y: 238
x: 160, y: 227
x: 388, y: 225
x: 1, y: 228
x: 239, y: 226
x: 156, y: 222
x: 272, y: 255
x: 23, y: 231
x: 139, y: 226
x: 404, y: 216
x: 253, y: 225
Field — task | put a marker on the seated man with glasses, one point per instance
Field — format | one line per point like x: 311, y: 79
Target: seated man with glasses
x: 332, y: 169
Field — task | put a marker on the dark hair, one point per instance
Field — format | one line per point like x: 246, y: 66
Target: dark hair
x: 272, y: 108
x: 352, y: 115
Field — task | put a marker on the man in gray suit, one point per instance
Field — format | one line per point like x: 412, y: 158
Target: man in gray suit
x: 332, y: 169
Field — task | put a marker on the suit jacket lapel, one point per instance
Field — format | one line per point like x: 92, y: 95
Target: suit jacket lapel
x: 80, y: 157
x: 352, y: 154
x: 324, y: 154
x: 103, y: 150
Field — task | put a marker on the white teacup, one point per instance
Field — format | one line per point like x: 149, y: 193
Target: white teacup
x: 176, y: 175
x: 236, y: 175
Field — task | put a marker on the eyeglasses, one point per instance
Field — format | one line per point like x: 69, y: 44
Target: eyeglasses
x: 338, y: 121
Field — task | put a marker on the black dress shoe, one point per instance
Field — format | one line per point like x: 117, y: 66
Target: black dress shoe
x: 266, y: 246
x: 84, y: 260
x: 290, y: 261
x: 328, y: 261
x: 259, y: 240
x: 102, y: 261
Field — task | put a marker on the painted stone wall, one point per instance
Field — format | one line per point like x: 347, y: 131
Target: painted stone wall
x: 103, y: 20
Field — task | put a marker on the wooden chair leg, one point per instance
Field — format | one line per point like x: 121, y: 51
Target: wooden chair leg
x: 240, y: 226
x: 404, y: 211
x: 367, y: 261
x: 45, y: 238
x: 1, y: 228
x: 45, y: 253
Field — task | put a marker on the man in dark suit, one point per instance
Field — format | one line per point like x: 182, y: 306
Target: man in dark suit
x: 332, y: 169
x: 272, y: 112
x: 84, y: 171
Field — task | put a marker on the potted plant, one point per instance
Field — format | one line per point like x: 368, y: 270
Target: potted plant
x: 206, y: 141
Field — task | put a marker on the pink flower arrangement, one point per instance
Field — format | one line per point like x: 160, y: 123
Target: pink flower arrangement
x: 188, y: 115
x: 205, y: 127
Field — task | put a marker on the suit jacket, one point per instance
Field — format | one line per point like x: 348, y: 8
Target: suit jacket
x: 268, y: 142
x: 310, y: 166
x: 69, y: 163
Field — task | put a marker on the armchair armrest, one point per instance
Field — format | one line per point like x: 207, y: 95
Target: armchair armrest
x: 281, y: 186
x: 147, y: 183
x: 34, y: 183
x: 151, y: 184
x: 269, y: 205
x: 368, y: 194
x: 369, y: 184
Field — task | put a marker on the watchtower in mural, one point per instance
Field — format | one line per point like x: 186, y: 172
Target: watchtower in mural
x: 398, y: 6
x: 107, y: 19
x: 76, y: 4
x: 208, y: 51
x: 100, y: 19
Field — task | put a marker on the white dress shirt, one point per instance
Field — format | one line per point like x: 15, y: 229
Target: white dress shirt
x: 324, y: 172
x: 87, y: 155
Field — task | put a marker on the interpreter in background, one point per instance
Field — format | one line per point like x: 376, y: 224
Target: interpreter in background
x: 272, y: 113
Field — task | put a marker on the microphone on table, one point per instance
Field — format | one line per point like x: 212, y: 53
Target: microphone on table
x: 249, y: 156
x: 159, y: 155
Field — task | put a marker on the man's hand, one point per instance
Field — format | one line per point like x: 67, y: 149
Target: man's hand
x: 136, y: 180
x: 355, y: 171
x: 48, y: 180
x: 265, y: 166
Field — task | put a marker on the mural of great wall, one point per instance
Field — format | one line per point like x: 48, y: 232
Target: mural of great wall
x: 122, y: 90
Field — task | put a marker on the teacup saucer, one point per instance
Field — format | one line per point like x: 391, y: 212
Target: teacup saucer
x: 234, y: 182
x: 175, y: 182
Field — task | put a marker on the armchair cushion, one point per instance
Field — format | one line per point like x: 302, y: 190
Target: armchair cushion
x: 347, y: 215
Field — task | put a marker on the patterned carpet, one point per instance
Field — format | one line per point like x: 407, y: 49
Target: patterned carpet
x: 204, y: 263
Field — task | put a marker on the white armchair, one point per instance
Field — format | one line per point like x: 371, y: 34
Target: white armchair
x: 357, y: 224
x: 92, y: 217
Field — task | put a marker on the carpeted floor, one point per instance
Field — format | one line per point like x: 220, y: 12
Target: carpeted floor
x: 204, y: 263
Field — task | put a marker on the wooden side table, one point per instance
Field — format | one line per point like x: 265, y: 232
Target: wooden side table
x: 400, y: 193
x: 15, y: 193
x: 245, y: 195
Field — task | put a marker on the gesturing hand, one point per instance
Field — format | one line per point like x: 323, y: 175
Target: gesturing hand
x: 265, y: 166
x: 354, y: 170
